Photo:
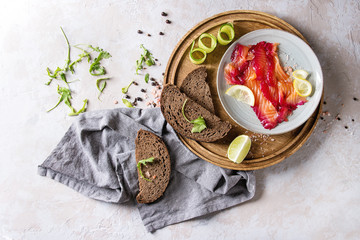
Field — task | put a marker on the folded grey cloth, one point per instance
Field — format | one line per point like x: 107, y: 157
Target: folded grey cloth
x: 96, y: 157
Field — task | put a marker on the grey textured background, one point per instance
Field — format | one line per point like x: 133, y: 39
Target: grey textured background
x: 314, y: 194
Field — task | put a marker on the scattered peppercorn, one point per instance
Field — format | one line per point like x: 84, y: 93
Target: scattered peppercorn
x: 164, y: 14
x: 153, y: 84
x: 168, y: 21
x: 152, y: 79
x: 163, y: 74
x: 140, y: 32
x: 325, y: 102
x: 338, y: 118
x: 346, y: 127
x: 321, y: 118
x: 127, y: 96
x: 156, y: 59
x: 138, y: 99
x: 143, y: 90
x: 161, y: 33
x: 355, y: 99
x: 135, y: 83
x: 353, y: 120
x: 149, y: 35
x: 154, y: 104
x: 134, y: 103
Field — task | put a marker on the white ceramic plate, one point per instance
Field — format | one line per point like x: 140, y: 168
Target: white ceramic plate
x: 293, y: 52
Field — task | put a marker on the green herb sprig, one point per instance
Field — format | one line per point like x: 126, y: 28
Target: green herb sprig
x: 147, y: 78
x: 144, y: 162
x: 95, y: 69
x: 126, y: 89
x: 199, y: 123
x: 146, y: 57
x: 65, y: 95
x: 101, y: 88
x: 127, y: 103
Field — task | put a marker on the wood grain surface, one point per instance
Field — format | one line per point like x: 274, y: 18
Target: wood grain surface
x: 266, y: 150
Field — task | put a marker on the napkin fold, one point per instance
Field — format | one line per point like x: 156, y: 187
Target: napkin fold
x: 96, y: 157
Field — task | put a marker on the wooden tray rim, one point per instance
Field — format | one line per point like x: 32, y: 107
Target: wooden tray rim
x: 257, y: 163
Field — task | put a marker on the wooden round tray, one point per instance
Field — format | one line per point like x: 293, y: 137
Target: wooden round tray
x: 265, y: 150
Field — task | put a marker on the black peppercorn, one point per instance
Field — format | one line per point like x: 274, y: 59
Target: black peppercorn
x: 135, y: 83
x: 127, y: 96
x: 140, y: 32
x: 149, y: 35
x: 164, y: 14
x: 168, y: 21
x: 139, y: 99
x: 161, y: 33
x: 355, y: 99
x: 143, y: 90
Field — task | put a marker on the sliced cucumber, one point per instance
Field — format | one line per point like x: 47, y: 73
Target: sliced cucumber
x: 196, y: 60
x: 228, y: 29
x: 213, y: 42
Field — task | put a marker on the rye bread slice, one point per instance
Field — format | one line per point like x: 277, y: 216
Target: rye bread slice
x: 149, y: 145
x: 196, y: 88
x: 171, y: 103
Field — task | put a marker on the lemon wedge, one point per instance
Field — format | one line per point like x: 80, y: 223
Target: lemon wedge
x: 239, y: 148
x: 302, y: 87
x: 302, y: 74
x: 242, y: 94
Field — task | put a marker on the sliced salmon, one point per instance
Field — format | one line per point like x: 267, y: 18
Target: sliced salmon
x: 258, y: 67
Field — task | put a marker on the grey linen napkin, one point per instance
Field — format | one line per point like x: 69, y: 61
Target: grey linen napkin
x: 96, y: 157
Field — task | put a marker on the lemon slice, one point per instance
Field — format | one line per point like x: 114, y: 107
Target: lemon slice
x: 302, y: 87
x: 300, y: 74
x: 242, y: 94
x: 239, y: 148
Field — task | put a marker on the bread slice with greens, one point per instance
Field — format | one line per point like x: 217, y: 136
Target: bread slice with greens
x: 188, y: 117
x: 195, y: 87
x: 153, y: 166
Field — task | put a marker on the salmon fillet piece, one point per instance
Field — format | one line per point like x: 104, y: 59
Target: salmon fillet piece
x: 258, y: 67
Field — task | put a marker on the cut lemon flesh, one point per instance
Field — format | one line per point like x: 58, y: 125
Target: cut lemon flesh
x: 242, y: 94
x: 302, y: 74
x: 302, y: 87
x: 239, y: 148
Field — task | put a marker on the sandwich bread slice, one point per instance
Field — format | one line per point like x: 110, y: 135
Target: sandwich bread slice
x: 153, y: 166
x: 172, y: 103
x: 196, y: 88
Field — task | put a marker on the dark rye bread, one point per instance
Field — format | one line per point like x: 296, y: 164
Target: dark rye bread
x: 196, y: 88
x: 149, y: 145
x: 171, y: 103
